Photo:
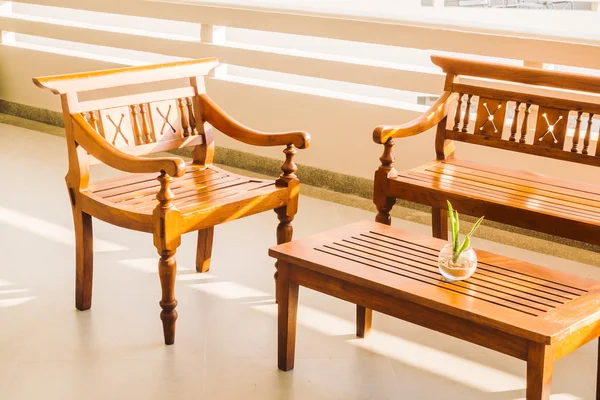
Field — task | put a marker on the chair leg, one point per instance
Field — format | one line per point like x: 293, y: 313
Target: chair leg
x: 84, y: 259
x: 439, y: 223
x: 167, y: 238
x: 285, y: 231
x: 204, y: 249
x: 167, y: 271
x: 540, y: 365
x: 364, y: 319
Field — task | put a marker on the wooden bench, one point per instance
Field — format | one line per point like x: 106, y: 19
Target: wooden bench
x: 517, y: 120
x: 164, y: 196
x: 525, y: 311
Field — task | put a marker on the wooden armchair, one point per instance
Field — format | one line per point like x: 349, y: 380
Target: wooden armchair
x: 164, y: 196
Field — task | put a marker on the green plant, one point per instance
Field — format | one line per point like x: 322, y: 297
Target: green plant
x: 458, y: 248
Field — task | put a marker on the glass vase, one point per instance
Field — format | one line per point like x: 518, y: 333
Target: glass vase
x: 462, y: 269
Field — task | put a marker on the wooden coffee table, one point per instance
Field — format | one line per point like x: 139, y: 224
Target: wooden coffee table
x: 529, y: 312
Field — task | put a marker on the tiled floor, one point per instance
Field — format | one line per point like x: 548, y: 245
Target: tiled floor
x: 226, y: 332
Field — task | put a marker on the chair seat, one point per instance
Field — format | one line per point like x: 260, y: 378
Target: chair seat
x: 486, y: 186
x: 200, y: 187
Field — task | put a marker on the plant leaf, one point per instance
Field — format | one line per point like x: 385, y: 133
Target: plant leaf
x: 452, y: 224
x: 475, y: 226
x: 450, y: 210
x: 456, y: 230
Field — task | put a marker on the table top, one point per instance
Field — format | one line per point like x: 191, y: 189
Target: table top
x: 520, y: 298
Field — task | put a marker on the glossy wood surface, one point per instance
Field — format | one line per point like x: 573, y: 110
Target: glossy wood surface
x: 506, y: 294
x: 526, y: 75
x: 514, y: 197
x: 526, y: 311
x: 198, y: 187
x: 539, y: 127
x: 61, y: 84
x: 163, y: 196
x: 429, y: 119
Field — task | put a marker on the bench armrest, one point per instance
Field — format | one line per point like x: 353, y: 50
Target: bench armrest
x: 98, y: 147
x: 219, y: 119
x: 428, y: 120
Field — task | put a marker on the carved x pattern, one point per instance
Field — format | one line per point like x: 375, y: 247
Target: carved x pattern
x: 118, y: 129
x: 165, y: 120
x: 490, y: 117
x: 550, y: 128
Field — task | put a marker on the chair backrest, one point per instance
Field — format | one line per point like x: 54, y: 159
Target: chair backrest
x: 518, y: 118
x: 141, y: 123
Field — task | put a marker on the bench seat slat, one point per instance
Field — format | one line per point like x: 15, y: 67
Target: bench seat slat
x: 537, y: 181
x: 451, y: 188
x: 490, y: 184
x: 523, y: 189
x: 492, y: 191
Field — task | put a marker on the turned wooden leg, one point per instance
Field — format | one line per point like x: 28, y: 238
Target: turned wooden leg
x: 364, y: 318
x: 540, y: 364
x: 167, y: 270
x: 383, y: 211
x: 286, y: 320
x: 439, y: 223
x: 84, y: 259
x: 285, y: 231
x: 204, y: 249
x: 167, y: 237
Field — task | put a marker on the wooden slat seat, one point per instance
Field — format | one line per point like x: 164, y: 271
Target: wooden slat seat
x: 517, y: 192
x: 199, y: 187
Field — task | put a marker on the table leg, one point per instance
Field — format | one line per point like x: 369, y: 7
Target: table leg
x: 540, y: 364
x: 439, y: 223
x: 364, y: 318
x: 286, y: 322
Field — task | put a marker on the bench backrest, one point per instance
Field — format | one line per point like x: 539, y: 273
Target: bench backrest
x: 141, y: 123
x: 518, y: 117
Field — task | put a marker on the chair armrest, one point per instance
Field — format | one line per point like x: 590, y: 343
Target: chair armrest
x: 429, y: 119
x: 98, y: 147
x: 219, y: 119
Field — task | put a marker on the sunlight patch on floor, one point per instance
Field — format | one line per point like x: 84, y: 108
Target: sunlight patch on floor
x: 50, y: 231
x: 148, y: 265
x: 228, y: 290
x: 12, y: 291
x: 5, y: 303
x: 195, y: 276
x: 8, y: 292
